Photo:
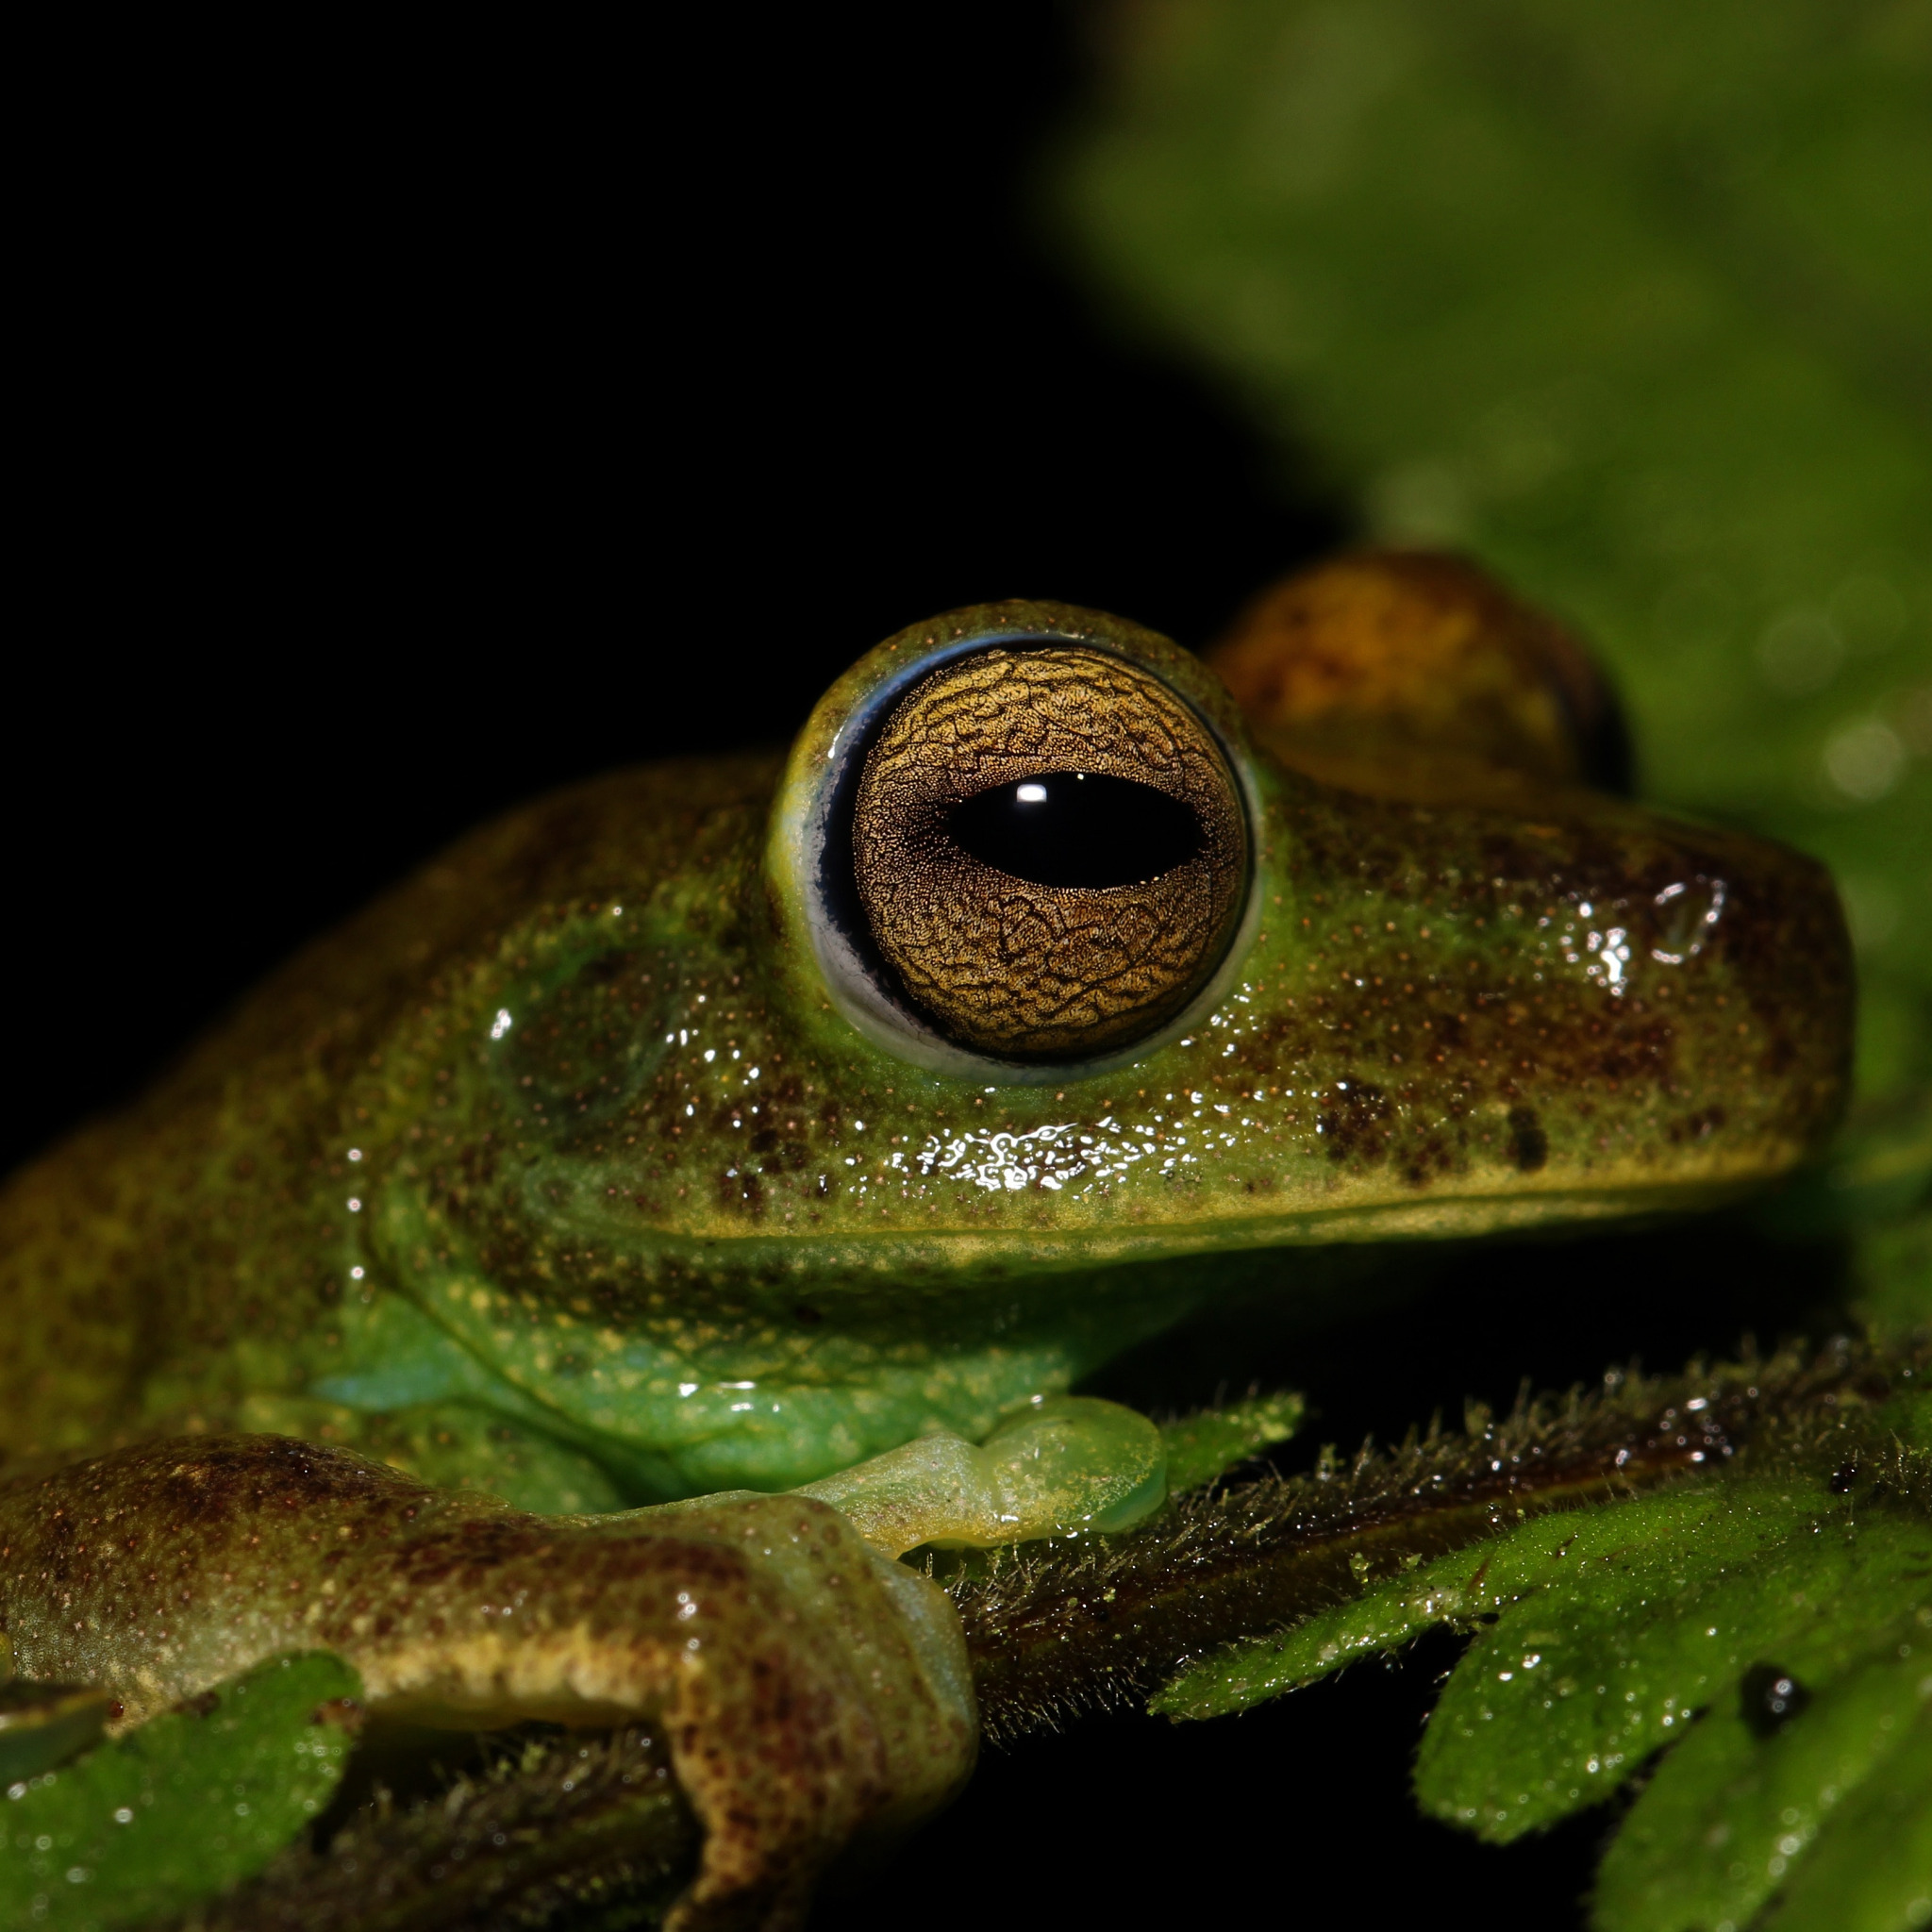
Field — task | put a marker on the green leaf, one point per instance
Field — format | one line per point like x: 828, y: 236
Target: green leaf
x: 1456, y: 1589
x: 1717, y: 1585
x: 1740, y: 1800
x: 1607, y: 1628
x: 1053, y: 1629
x: 1872, y: 1872
x: 1243, y: 1592
x: 1773, y: 1622
x: 182, y: 1808
x: 1572, y: 1690
x: 45, y: 1724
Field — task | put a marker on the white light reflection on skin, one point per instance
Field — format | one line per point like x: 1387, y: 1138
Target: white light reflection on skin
x: 1076, y: 1157
x: 1688, y: 929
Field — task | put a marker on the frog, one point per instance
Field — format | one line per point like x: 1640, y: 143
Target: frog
x: 570, y: 1289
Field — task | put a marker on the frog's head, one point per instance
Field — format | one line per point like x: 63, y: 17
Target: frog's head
x: 1033, y: 961
x: 1098, y: 968
x: 1033, y: 953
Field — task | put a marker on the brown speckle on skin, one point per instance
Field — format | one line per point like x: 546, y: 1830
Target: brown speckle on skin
x: 1529, y: 1146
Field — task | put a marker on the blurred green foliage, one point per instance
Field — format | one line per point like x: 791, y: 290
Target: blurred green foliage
x: 1635, y: 304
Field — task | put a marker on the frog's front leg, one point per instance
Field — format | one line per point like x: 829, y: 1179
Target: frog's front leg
x: 1062, y: 1465
x: 809, y: 1690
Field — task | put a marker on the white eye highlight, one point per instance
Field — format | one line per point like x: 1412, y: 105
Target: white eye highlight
x: 1031, y: 794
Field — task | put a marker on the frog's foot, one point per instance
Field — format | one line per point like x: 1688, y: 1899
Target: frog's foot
x: 1065, y: 1464
x: 808, y: 1690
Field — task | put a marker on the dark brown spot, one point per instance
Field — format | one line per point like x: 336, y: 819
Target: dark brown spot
x: 1359, y: 1122
x: 1529, y: 1146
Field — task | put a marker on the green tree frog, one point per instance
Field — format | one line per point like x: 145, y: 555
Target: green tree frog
x: 709, y: 1181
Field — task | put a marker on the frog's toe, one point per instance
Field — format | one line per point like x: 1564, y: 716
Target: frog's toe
x: 810, y: 1693
x: 1064, y: 1465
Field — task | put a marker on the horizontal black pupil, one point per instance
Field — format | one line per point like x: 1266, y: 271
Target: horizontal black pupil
x: 1074, y: 828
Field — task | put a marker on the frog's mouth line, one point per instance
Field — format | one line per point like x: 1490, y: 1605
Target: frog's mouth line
x: 840, y: 1266
x: 1513, y: 1206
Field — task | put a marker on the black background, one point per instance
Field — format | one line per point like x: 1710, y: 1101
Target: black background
x: 417, y: 426
x: 422, y: 427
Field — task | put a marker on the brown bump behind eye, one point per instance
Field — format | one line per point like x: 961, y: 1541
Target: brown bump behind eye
x: 1026, y: 968
x: 1415, y: 675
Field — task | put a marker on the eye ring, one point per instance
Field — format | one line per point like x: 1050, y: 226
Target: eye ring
x: 820, y: 866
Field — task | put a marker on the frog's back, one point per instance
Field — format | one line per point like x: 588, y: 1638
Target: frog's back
x: 155, y: 1265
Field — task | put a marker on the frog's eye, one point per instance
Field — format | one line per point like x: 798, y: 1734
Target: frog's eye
x: 1044, y: 857
x: 1050, y: 850
x: 1014, y: 843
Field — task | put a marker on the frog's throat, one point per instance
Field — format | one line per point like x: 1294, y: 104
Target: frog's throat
x: 677, y: 1407
x: 670, y: 1405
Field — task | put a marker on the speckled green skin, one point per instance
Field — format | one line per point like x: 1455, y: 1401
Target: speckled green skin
x: 556, y: 1174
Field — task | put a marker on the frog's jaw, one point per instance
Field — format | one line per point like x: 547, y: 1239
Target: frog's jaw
x: 681, y: 1405
x: 539, y: 1402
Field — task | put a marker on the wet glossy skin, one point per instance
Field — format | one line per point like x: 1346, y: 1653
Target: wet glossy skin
x: 557, y: 1173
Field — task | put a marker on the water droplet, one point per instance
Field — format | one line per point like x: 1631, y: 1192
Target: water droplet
x: 1683, y: 917
x: 1770, y: 1697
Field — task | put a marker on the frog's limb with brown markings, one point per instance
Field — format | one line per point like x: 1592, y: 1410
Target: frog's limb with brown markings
x: 810, y: 1693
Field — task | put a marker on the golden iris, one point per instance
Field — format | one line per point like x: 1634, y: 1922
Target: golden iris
x: 1050, y: 849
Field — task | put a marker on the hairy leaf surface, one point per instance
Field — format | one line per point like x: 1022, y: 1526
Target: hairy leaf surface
x: 1718, y: 1588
